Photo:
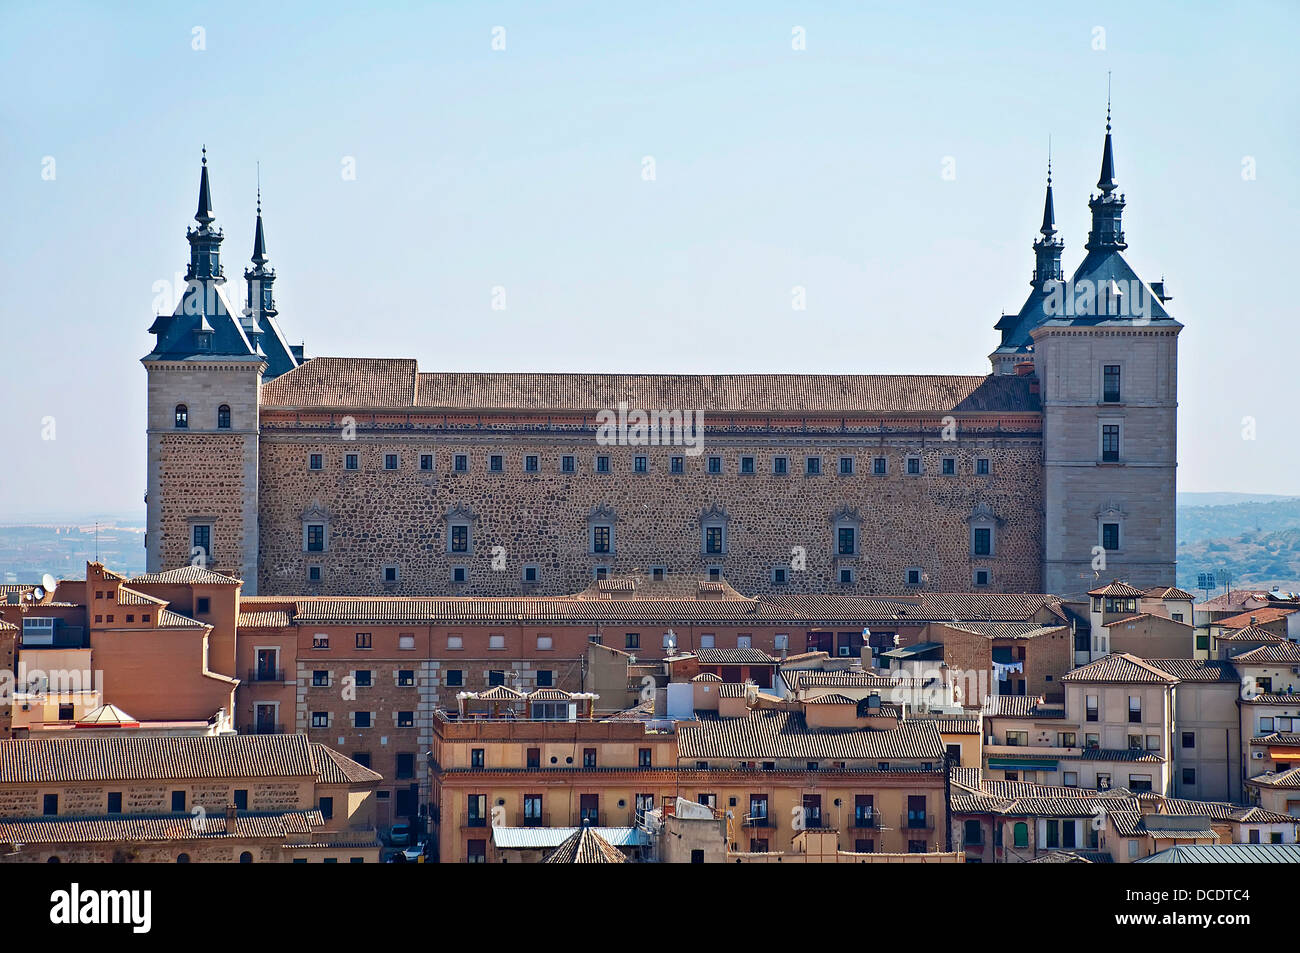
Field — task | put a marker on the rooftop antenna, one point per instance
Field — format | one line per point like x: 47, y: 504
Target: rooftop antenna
x: 96, y: 540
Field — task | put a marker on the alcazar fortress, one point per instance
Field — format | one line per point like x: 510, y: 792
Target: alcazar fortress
x: 352, y: 476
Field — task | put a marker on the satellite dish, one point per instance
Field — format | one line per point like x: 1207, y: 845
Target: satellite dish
x: 38, y: 593
x: 49, y: 583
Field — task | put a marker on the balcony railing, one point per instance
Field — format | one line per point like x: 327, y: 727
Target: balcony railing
x: 757, y: 821
x: 266, y: 675
x: 475, y: 822
x: 916, y: 822
x: 866, y: 821
x: 267, y: 728
x: 536, y: 820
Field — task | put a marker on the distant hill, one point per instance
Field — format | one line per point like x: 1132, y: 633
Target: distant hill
x: 29, y: 551
x: 1255, y: 543
x: 1224, y: 499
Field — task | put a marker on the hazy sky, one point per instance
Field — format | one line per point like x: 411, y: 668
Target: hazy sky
x: 522, y: 169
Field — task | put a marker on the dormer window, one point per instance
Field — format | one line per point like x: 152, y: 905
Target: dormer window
x: 182, y: 417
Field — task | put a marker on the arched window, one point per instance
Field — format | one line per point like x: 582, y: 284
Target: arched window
x: 54, y: 860
x: 182, y: 858
x: 182, y: 416
x: 245, y: 858
x: 223, y: 417
x: 1020, y: 834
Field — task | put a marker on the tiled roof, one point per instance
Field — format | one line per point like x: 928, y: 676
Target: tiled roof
x: 469, y: 610
x: 166, y: 758
x: 186, y: 575
x: 954, y: 724
x: 1127, y: 669
x: 174, y: 620
x: 1280, y: 738
x: 1226, y: 854
x: 498, y: 693
x: 395, y: 383
x: 1275, y: 698
x: 1197, y: 670
x: 830, y: 698
x: 1029, y: 789
x: 1287, y: 652
x: 707, y: 677
x: 968, y: 778
x: 731, y: 690
x: 1006, y: 630
x: 1255, y: 616
x: 985, y: 606
x: 129, y: 597
x: 1128, y: 619
x: 585, y: 846
x: 1290, y: 778
x: 145, y: 828
x: 734, y: 657
x: 1121, y: 754
x: 1120, y: 589
x: 784, y: 734
x: 1169, y: 594
x: 1160, y: 826
x: 264, y: 619
x: 805, y: 678
x: 549, y: 695
x: 1075, y: 856
x: 335, y: 768
x: 1023, y: 706
x: 1251, y: 633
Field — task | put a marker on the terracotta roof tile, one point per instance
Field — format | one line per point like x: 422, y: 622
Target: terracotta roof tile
x: 1119, y: 668
x: 585, y: 846
x: 784, y: 734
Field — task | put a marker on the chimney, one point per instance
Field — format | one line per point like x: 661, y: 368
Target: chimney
x: 231, y: 812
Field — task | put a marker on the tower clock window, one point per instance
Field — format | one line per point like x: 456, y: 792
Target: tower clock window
x: 182, y: 416
x: 223, y: 417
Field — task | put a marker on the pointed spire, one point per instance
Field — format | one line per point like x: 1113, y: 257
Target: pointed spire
x: 259, y: 240
x: 1049, y: 208
x: 204, y: 215
x: 1107, y: 180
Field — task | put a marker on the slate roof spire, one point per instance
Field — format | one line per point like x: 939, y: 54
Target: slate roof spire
x: 259, y: 240
x: 1049, y: 208
x: 204, y: 215
x: 1106, y: 182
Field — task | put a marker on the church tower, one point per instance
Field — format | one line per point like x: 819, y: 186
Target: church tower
x: 1106, y: 355
x: 205, y: 375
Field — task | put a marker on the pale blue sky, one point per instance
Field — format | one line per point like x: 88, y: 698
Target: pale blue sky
x: 521, y: 168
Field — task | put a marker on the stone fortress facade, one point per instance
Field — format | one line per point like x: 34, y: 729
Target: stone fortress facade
x: 357, y: 476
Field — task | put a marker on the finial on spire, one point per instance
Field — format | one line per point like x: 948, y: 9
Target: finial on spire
x: 1106, y: 182
x: 259, y: 188
x: 204, y: 214
x: 1049, y: 209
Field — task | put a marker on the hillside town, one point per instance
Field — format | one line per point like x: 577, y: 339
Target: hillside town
x: 169, y: 717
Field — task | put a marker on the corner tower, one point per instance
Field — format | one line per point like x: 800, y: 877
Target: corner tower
x: 1106, y: 355
x: 205, y: 377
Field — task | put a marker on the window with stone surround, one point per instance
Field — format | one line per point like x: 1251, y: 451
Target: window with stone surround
x: 780, y: 466
x: 913, y: 576
x: 640, y: 464
x: 677, y: 465
x: 223, y: 417
x: 982, y: 466
x: 780, y: 575
x: 913, y: 466
x: 715, y: 465
x: 1111, y: 441
x: 390, y: 575
x: 532, y: 574
x: 568, y: 463
x: 459, y: 574
x: 426, y: 461
x: 532, y: 463
x: 313, y: 573
x: 182, y: 417
x: 713, y: 530
x: 846, y: 466
x: 983, y: 530
x: 351, y: 461
x: 460, y: 531
x: 600, y: 531
x: 316, y: 461
x: 879, y: 466
x: 812, y: 466
x: 948, y: 466
x: 390, y: 461
x: 460, y: 463
x: 747, y: 466
x: 545, y: 678
x: 602, y: 463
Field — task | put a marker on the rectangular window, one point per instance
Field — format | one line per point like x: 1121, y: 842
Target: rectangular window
x: 632, y: 640
x: 363, y: 640
x: 351, y: 461
x: 846, y: 466
x: 390, y: 461
x: 496, y: 463
x: 496, y: 642
x: 426, y: 461
x: 602, y: 464
x: 363, y: 678
x: 1110, y: 384
x: 315, y: 537
x: 460, y: 463
x: 747, y: 465
x: 913, y: 465
x: 545, y: 678
x: 534, y: 758
x: 455, y: 678
x: 496, y: 677
x: 568, y: 463
x: 981, y: 577
x: 530, y: 574
x: 600, y: 539
x: 533, y: 810
x: 406, y: 678
x: 476, y: 811
x: 1110, y: 443
x: 640, y: 464
x: 532, y: 463
x: 361, y: 719
x: 1110, y: 536
x: 476, y: 757
x: 779, y: 576
x: 707, y: 640
x: 114, y: 802
x: 949, y: 466
x: 713, y: 540
x: 780, y: 465
x: 202, y: 537
x: 983, y: 541
x: 588, y: 757
x: 715, y: 465
x: 880, y: 466
x: 320, y: 678
x: 913, y: 577
x: 316, y: 461
x: 643, y: 757
x: 460, y: 538
x: 846, y: 577
x: 677, y: 465
x: 50, y: 805
x: 390, y: 574
x: 1091, y: 707
x: 1135, y: 710
x: 545, y: 643
x: 313, y: 573
x: 812, y: 466
x: 846, y: 541
x: 320, y: 641
x: 982, y: 466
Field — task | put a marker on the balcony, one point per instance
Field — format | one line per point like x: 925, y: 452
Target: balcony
x: 266, y: 675
x: 916, y: 822
x: 754, y: 821
x: 865, y: 822
x: 536, y: 820
x: 267, y: 728
x: 474, y: 822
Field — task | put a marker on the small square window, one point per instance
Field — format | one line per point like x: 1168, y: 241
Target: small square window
x: 313, y: 573
x: 846, y: 577
x: 361, y: 719
x: 363, y: 678
x: 913, y: 577
x: 460, y: 463
x: 715, y: 574
x: 320, y: 719
x: 496, y: 463
x: 640, y: 464
x: 913, y: 465
x: 981, y: 577
x: 316, y: 461
x: 880, y: 466
x: 982, y: 466
x: 632, y: 640
x: 426, y: 461
x: 779, y: 576
x: 658, y: 573
x: 812, y: 466
x: 949, y: 466
x: 568, y: 463
x: 458, y: 574
x: 455, y: 678
x: 530, y: 574
x: 351, y: 461
x: 390, y: 461
x: 532, y: 463
x: 406, y: 719
x: 715, y: 465
x: 496, y: 642
x: 320, y: 678
x: 747, y: 465
x: 678, y: 465
x: 390, y: 574
x: 202, y: 605
x: 780, y: 465
x: 602, y: 464
x: 320, y: 641
x: 545, y: 678
x: 600, y: 573
x: 846, y: 466
x: 364, y: 640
